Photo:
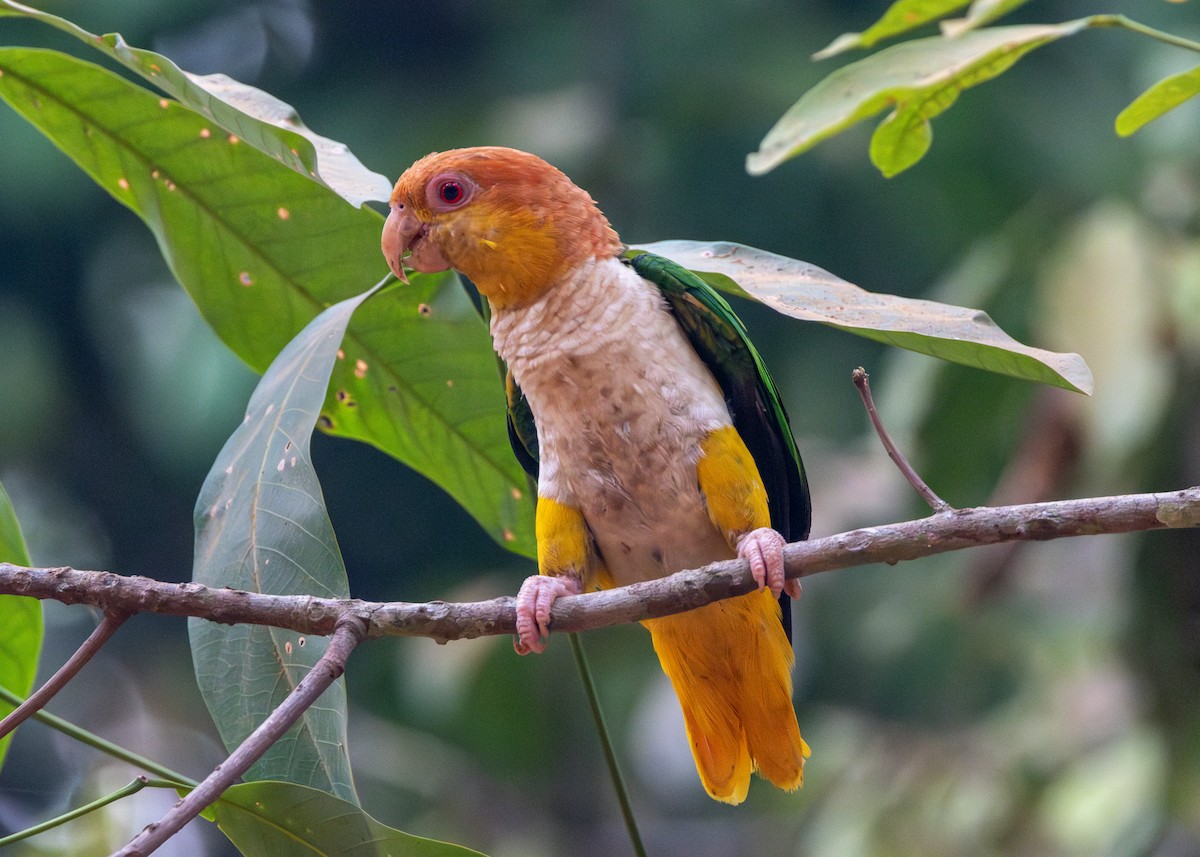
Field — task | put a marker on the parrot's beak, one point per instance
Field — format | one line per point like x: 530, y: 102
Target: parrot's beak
x: 405, y: 232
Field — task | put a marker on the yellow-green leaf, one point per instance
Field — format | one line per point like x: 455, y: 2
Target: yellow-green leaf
x: 919, y: 79
x: 1165, y: 95
x: 20, y: 620
x: 900, y: 17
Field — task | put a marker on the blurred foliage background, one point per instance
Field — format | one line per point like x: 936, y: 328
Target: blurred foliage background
x: 1043, y: 699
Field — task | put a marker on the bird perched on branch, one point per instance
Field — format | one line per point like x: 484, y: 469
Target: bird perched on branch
x: 656, y: 436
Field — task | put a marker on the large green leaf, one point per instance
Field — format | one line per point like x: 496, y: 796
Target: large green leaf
x: 256, y: 117
x: 262, y: 249
x: 807, y: 292
x: 20, y: 620
x: 1165, y: 95
x: 273, y: 819
x: 919, y: 79
x: 262, y: 526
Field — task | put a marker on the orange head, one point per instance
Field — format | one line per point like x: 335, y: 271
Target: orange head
x: 507, y: 219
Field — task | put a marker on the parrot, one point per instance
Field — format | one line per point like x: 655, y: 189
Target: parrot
x: 657, y: 439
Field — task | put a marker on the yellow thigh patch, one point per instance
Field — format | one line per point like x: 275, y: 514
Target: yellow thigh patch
x: 563, y: 541
x: 732, y: 488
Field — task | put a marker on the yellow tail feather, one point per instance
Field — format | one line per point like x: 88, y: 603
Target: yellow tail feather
x: 730, y: 664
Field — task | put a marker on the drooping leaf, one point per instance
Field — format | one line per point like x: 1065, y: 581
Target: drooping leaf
x: 262, y: 249
x: 258, y: 118
x: 20, y: 620
x: 807, y: 292
x: 920, y: 79
x: 1162, y: 97
x: 262, y: 526
x: 276, y: 819
x: 901, y: 17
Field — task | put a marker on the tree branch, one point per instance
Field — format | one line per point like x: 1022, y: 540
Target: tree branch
x: 944, y: 531
x: 346, y: 636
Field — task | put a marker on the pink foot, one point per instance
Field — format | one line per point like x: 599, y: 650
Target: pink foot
x: 763, y: 549
x: 534, y: 601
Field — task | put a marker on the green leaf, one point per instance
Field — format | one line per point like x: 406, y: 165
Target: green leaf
x: 262, y: 526
x: 272, y: 818
x: 981, y: 12
x: 900, y: 17
x: 262, y: 249
x: 807, y: 292
x: 1165, y: 95
x: 20, y: 620
x: 259, y: 119
x: 920, y: 79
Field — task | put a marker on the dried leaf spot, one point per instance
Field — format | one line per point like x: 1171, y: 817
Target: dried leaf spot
x: 325, y: 422
x: 234, y: 139
x: 164, y: 103
x: 282, y: 464
x: 301, y: 642
x: 169, y: 185
x: 360, y: 368
x: 449, y: 382
x: 509, y: 535
x: 341, y: 355
x: 205, y: 133
x: 287, y: 646
x: 245, y: 279
x: 292, y: 463
x: 229, y: 470
x: 154, y: 69
x: 287, y: 447
x: 283, y: 213
x: 516, y: 493
x: 155, y: 174
x: 344, y: 398
x: 270, y: 408
x: 123, y: 183
x: 424, y: 309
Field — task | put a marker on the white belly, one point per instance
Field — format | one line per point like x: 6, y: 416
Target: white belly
x: 622, y: 403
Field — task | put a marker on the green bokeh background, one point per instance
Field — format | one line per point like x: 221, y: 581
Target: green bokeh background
x: 1043, y: 701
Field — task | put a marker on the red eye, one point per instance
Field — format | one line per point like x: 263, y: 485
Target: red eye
x: 451, y: 192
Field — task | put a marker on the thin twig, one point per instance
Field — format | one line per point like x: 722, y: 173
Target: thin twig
x: 125, y: 791
x: 346, y: 636
x: 890, y: 543
x: 37, y: 700
x: 863, y: 383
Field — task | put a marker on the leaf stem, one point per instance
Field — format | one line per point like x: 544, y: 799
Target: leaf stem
x: 1130, y: 24
x: 610, y: 755
x: 125, y: 791
x: 96, y: 742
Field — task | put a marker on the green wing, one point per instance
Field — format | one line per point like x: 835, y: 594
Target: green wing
x: 722, y: 342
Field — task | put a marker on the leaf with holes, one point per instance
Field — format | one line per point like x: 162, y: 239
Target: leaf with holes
x: 262, y: 526
x: 807, y: 292
x: 20, y: 620
x: 258, y: 118
x: 919, y: 79
x: 262, y: 249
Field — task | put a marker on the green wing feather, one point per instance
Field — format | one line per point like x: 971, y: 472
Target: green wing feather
x: 723, y: 343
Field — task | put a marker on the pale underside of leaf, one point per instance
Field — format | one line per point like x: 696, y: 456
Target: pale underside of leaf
x: 916, y: 77
x: 262, y: 526
x: 256, y: 117
x: 806, y: 292
x: 1166, y: 95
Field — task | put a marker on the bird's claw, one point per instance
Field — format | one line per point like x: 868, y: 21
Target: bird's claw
x: 534, y: 600
x: 763, y: 549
